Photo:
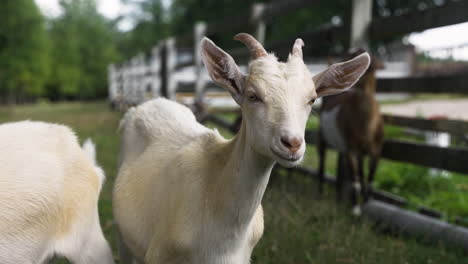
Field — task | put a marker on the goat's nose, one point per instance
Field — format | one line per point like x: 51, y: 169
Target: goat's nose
x: 291, y: 143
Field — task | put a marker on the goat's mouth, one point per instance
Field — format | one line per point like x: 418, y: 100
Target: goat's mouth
x: 292, y: 158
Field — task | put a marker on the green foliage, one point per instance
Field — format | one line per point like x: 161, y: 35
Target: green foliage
x: 82, y: 47
x: 326, y: 13
x: 66, y: 60
x: 187, y: 12
x: 398, y: 7
x: 152, y: 25
x: 23, y: 51
x: 439, y: 190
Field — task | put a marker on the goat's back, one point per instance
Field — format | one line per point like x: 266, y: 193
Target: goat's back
x: 158, y: 120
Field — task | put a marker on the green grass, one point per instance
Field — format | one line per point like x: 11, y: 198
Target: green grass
x: 303, y: 228
x: 300, y: 227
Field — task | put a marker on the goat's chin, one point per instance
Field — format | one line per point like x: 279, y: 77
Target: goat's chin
x: 289, y: 163
x: 286, y: 160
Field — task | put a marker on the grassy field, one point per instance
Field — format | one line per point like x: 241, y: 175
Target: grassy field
x: 300, y: 227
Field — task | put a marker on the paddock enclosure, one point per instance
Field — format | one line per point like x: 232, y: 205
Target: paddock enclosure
x: 173, y: 69
x: 301, y: 227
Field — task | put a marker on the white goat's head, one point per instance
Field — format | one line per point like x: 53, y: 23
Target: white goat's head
x: 276, y: 97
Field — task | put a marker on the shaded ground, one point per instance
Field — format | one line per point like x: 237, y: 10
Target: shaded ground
x: 300, y: 227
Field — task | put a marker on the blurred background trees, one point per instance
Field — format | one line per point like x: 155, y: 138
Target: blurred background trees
x: 23, y: 51
x: 82, y: 45
x: 60, y: 58
x: 66, y: 57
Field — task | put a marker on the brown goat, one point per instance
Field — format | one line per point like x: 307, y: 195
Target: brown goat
x: 351, y: 123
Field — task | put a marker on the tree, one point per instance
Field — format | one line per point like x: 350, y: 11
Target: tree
x: 399, y: 7
x: 23, y: 51
x: 82, y: 47
x: 152, y: 23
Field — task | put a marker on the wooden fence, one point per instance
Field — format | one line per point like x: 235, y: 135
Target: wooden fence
x: 150, y: 75
x: 450, y: 159
x: 427, y: 223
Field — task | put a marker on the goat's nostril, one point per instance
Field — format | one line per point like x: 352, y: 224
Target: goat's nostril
x: 293, y: 143
x: 285, y: 142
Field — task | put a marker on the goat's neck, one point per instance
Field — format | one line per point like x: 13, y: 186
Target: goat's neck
x: 368, y: 83
x: 365, y: 93
x: 245, y: 177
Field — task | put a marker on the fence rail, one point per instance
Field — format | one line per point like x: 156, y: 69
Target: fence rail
x: 454, y: 127
x: 451, y: 159
x: 454, y: 84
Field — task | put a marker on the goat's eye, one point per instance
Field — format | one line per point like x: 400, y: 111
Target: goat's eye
x: 253, y: 97
x: 312, y: 101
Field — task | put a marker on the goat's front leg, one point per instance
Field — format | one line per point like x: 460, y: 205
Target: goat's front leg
x: 353, y: 163
x: 361, y: 175
x: 373, y: 163
x: 321, y: 150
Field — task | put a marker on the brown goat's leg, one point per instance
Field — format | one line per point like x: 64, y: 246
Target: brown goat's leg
x: 321, y: 150
x: 353, y: 162
x: 373, y: 163
x: 361, y: 174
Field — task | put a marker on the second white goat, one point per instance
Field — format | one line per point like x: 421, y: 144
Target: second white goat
x: 49, y: 189
x: 184, y: 194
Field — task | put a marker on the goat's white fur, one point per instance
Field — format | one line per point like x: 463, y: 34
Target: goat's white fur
x: 189, y: 214
x: 183, y: 193
x: 49, y: 189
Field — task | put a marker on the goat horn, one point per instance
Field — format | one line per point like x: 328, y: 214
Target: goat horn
x: 256, y: 49
x: 297, y: 48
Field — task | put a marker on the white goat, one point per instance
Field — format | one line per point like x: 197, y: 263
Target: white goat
x: 184, y: 194
x: 49, y: 189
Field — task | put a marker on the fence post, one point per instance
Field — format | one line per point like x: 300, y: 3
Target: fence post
x: 112, y: 83
x: 168, y: 61
x: 163, y: 72
x: 123, y: 79
x: 126, y: 89
x: 199, y: 33
x: 134, y: 80
x: 155, y: 69
x: 258, y: 21
x: 140, y: 68
x: 361, y: 18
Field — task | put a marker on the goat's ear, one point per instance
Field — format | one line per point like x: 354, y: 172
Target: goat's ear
x: 222, y: 69
x: 341, y: 76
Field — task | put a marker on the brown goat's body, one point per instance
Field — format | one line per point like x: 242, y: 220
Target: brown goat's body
x: 359, y: 131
